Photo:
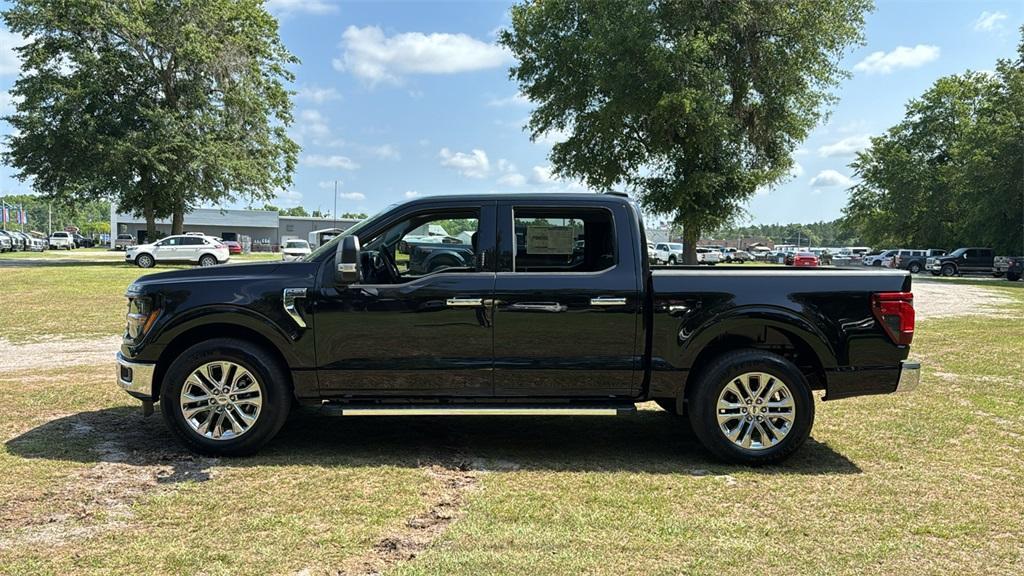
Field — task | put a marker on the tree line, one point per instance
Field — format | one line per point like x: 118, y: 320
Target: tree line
x: 952, y: 172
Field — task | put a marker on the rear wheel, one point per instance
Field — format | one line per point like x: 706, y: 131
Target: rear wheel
x: 225, y: 397
x: 751, y: 407
x: 948, y: 270
x: 208, y: 260
x: 144, y: 261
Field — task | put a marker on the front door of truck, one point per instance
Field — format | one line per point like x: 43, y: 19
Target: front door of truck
x: 414, y: 328
x: 566, y: 300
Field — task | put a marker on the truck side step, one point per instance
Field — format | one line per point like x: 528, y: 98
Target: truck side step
x: 337, y: 409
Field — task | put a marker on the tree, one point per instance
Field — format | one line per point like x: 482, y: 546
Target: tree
x: 952, y: 172
x: 693, y: 105
x: 159, y: 106
x: 296, y: 211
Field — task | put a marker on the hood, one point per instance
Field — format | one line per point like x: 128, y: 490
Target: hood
x: 209, y: 273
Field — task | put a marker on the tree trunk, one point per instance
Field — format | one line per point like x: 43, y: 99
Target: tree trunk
x: 178, y: 217
x: 149, y: 213
x: 691, y: 235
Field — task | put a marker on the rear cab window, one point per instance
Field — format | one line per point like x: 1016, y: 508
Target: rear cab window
x: 563, y: 240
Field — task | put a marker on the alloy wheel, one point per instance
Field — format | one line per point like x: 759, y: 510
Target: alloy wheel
x: 756, y: 411
x: 221, y: 400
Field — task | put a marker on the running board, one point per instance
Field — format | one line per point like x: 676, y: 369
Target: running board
x: 476, y: 410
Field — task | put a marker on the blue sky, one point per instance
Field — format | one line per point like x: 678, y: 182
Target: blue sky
x: 396, y: 100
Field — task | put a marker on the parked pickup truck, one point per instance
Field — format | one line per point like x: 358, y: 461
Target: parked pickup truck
x: 557, y: 312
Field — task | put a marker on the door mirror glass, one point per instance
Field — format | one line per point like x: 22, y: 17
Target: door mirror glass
x: 346, y: 261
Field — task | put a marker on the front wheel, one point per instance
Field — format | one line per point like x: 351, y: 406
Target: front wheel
x: 671, y: 260
x: 145, y: 261
x: 225, y: 397
x: 751, y: 407
x: 948, y: 270
x: 914, y: 268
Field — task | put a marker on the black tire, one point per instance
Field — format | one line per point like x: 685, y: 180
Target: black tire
x: 703, y: 401
x: 915, y: 267
x: 671, y: 260
x: 207, y: 260
x: 1012, y: 276
x: 145, y: 261
x: 948, y: 270
x: 271, y: 378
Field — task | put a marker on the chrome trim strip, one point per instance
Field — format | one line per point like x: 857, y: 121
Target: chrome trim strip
x: 910, y: 376
x: 607, y: 301
x: 478, y: 411
x: 464, y: 302
x: 288, y: 298
x: 142, y: 376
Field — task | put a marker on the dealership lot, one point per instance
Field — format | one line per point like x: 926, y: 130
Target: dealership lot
x: 919, y: 483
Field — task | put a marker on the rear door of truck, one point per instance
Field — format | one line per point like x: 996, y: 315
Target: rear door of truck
x: 567, y: 299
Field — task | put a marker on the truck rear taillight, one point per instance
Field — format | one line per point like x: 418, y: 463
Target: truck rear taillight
x: 895, y: 312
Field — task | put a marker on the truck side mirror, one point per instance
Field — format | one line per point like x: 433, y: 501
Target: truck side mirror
x: 346, y: 261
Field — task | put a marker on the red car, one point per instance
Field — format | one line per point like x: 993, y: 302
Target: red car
x: 233, y: 247
x: 805, y: 259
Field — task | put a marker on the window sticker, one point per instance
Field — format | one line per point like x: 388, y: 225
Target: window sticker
x: 543, y: 239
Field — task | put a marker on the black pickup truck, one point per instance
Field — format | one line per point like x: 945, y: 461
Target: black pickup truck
x: 557, y: 312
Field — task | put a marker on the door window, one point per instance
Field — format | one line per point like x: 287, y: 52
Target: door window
x: 563, y: 240
x: 423, y: 244
x: 169, y: 242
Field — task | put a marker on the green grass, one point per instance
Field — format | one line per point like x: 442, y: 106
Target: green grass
x: 923, y: 483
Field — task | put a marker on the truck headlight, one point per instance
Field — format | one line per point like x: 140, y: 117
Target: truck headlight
x: 142, y: 313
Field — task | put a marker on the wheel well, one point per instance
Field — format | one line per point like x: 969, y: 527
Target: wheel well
x: 206, y: 332
x: 786, y: 344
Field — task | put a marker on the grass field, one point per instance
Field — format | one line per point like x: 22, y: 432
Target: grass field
x: 925, y: 483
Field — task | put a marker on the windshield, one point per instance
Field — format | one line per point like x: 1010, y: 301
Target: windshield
x: 676, y: 246
x: 330, y: 246
x: 958, y: 252
x: 296, y: 244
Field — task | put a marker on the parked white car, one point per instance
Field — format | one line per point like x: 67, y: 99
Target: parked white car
x: 669, y: 252
x: 709, y: 256
x: 295, y: 250
x: 62, y: 240
x: 202, y: 250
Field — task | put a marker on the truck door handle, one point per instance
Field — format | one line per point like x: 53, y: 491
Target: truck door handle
x: 607, y: 301
x: 464, y: 302
x: 538, y: 307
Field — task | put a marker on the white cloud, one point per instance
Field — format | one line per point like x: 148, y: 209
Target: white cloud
x: 902, y: 57
x: 304, y: 6
x: 542, y: 175
x: 830, y: 179
x: 384, y: 151
x: 329, y: 184
x: 411, y: 193
x: 989, y: 21
x: 316, y: 94
x: 797, y: 170
x: 553, y: 137
x: 7, y: 103
x: 313, y: 122
x: 846, y: 147
x: 288, y: 198
x: 471, y: 165
x: 334, y: 161
x: 374, y: 57
x: 9, y: 61
x: 517, y: 99
x: 352, y: 195
x: 513, y: 179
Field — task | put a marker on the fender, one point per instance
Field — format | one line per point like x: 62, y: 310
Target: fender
x: 693, y: 337
x: 295, y: 345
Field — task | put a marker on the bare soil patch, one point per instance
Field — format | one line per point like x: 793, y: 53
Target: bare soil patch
x: 59, y: 353
x: 938, y: 300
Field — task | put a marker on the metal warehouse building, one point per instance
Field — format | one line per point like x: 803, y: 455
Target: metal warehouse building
x: 266, y: 229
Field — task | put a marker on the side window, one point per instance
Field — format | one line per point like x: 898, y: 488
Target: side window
x: 423, y: 244
x: 971, y: 254
x: 985, y: 253
x: 563, y: 240
x: 170, y: 242
x: 662, y: 246
x: 192, y: 241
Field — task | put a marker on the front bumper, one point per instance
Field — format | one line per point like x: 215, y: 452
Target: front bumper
x: 136, y: 378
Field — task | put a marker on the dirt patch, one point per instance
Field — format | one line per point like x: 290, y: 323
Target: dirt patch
x: 59, y: 353
x: 944, y: 299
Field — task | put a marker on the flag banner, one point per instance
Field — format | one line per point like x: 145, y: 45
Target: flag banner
x: 6, y: 216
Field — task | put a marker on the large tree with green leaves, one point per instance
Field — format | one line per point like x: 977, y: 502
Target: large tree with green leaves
x: 692, y: 104
x: 157, y: 105
x: 952, y: 172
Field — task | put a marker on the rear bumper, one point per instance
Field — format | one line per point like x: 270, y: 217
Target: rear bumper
x: 867, y: 381
x: 135, y: 378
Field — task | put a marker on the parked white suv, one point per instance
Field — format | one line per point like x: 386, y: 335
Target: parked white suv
x: 294, y: 250
x: 709, y: 256
x: 62, y: 240
x: 202, y: 250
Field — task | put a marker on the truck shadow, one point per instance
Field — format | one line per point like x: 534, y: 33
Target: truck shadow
x: 650, y: 441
